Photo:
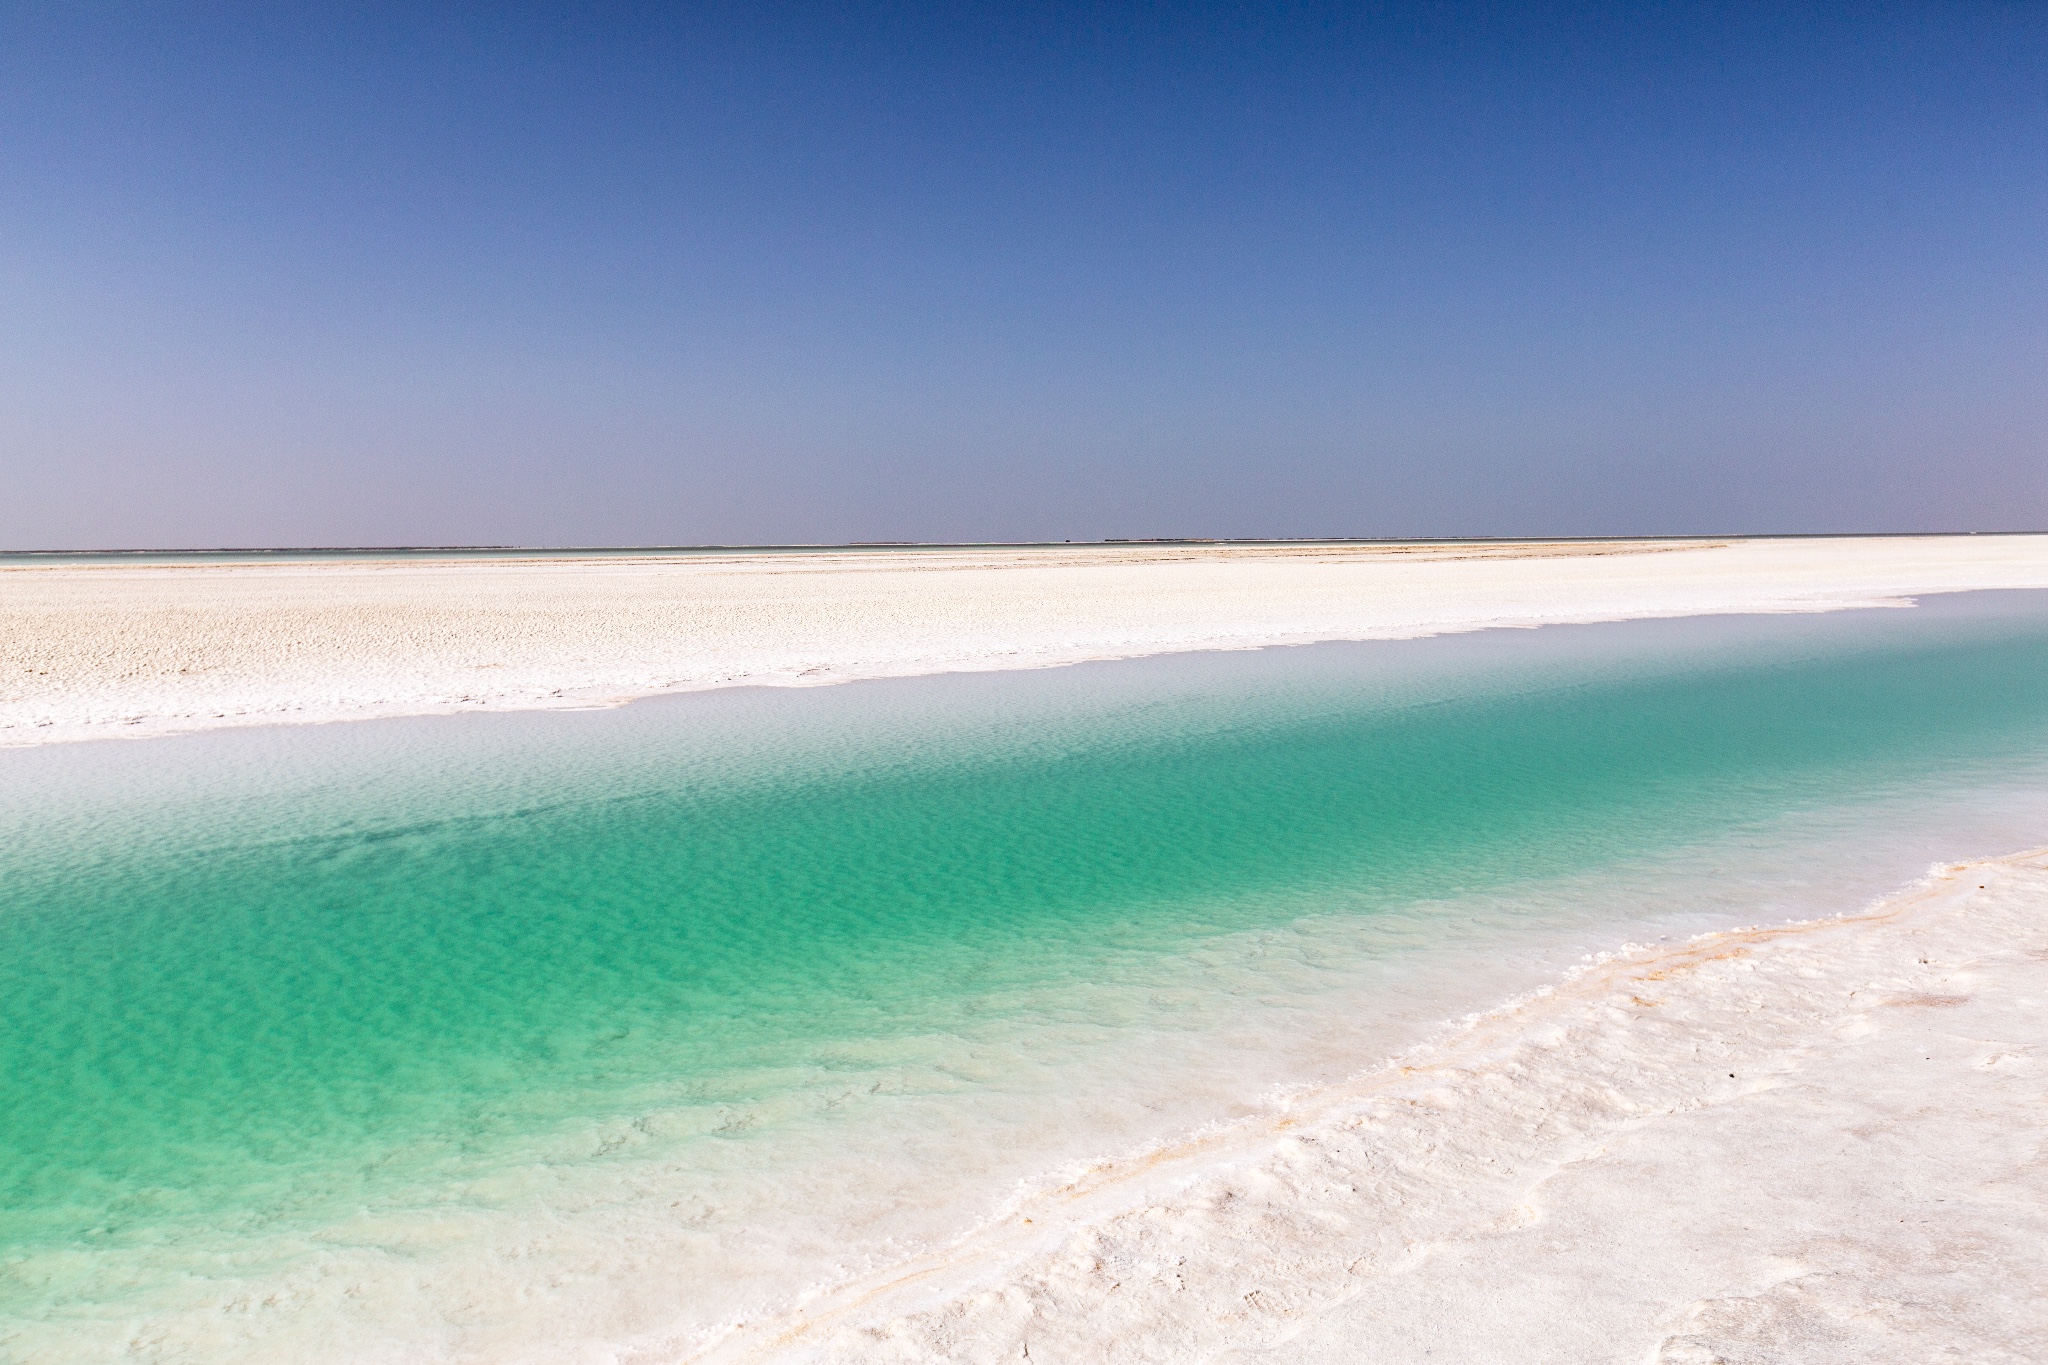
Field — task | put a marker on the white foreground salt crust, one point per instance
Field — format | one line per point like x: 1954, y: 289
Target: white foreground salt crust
x: 1815, y: 1143
x: 93, y: 650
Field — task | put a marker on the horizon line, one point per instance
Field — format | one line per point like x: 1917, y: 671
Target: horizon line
x: 1003, y: 544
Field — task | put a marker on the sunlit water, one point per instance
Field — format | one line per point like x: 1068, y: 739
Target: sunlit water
x: 533, y: 1037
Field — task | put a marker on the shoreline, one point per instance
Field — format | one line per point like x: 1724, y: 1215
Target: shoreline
x: 1819, y: 1138
x: 117, y: 650
x: 1556, y: 1149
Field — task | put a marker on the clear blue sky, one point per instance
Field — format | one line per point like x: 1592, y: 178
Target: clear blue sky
x: 625, y: 274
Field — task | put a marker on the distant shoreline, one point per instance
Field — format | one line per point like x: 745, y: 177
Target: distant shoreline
x: 130, y: 553
x: 132, y: 647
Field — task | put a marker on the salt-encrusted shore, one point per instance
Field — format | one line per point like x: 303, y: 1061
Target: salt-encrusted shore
x: 1819, y: 1143
x: 1816, y: 1143
x: 95, y: 650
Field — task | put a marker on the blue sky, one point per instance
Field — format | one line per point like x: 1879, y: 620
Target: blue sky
x: 646, y: 274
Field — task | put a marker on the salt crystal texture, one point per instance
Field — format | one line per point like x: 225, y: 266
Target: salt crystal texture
x: 1816, y: 1143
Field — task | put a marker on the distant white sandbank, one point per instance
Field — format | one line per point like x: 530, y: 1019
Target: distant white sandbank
x: 1819, y: 1143
x: 96, y: 650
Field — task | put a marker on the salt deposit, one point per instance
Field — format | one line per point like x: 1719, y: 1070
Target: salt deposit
x: 89, y: 650
x: 1814, y: 1143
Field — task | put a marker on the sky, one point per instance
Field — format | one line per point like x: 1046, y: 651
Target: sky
x: 620, y: 274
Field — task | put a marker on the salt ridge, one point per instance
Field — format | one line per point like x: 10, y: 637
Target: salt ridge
x: 1816, y: 1142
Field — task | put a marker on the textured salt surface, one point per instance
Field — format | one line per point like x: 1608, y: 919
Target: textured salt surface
x: 1817, y: 1143
x: 88, y: 651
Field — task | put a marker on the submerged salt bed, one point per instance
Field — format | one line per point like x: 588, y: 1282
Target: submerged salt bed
x: 613, y: 1185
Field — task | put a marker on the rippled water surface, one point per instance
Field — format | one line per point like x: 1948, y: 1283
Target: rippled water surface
x: 585, y: 1028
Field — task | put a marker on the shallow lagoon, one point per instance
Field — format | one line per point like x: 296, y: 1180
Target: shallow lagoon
x: 533, y: 1035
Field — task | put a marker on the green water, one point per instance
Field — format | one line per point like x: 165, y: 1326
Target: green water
x: 253, y: 978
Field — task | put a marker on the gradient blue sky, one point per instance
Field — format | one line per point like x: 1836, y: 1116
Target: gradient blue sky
x: 641, y: 274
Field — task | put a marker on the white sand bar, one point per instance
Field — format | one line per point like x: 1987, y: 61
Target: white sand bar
x: 1814, y: 1144
x: 91, y: 650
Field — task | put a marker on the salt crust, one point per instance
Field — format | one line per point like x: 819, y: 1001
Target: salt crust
x: 1815, y: 1143
x: 95, y: 650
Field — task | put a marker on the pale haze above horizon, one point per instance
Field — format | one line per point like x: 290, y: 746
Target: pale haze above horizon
x: 624, y: 274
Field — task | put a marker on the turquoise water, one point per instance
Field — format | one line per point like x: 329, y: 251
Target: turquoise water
x: 255, y: 984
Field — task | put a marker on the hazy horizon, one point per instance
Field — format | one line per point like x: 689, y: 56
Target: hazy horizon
x: 738, y: 546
